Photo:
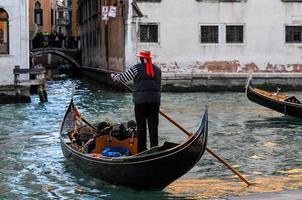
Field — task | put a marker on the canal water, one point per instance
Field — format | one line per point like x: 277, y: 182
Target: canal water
x: 263, y: 145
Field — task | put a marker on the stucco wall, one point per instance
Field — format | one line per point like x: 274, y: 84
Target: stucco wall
x: 18, y: 39
x: 179, y: 47
x: 100, y: 48
x: 46, y: 6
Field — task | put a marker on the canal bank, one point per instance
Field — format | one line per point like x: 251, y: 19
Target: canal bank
x: 11, y: 94
x: 209, y: 82
x: 26, y: 82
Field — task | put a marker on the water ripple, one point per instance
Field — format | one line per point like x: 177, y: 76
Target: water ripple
x: 262, y: 144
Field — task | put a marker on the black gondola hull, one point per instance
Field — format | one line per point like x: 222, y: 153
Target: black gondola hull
x: 286, y: 108
x: 139, y: 175
x: 149, y: 171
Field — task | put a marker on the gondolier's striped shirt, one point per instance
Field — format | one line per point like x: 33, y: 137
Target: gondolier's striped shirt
x: 128, y: 75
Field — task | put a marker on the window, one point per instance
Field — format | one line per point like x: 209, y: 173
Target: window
x: 51, y: 17
x: 234, y: 34
x: 61, y: 15
x: 293, y: 34
x: 209, y: 33
x: 38, y: 14
x: 4, y: 44
x: 148, y: 33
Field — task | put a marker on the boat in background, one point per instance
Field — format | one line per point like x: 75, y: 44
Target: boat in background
x: 282, y: 103
x: 153, y: 169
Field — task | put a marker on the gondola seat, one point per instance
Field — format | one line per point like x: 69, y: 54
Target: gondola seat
x: 109, y: 141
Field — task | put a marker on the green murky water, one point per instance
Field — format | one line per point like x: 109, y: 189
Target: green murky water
x: 262, y: 144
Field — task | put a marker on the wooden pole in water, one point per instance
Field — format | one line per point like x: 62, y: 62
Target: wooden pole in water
x: 208, y: 149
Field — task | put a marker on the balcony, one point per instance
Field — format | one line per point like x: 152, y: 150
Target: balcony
x: 63, y: 22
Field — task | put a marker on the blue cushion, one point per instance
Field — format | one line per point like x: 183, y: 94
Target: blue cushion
x: 116, y: 151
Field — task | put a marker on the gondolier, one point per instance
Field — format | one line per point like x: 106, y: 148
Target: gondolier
x: 146, y: 97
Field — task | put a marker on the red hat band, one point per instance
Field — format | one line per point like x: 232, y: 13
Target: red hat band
x: 144, y: 54
x: 149, y: 66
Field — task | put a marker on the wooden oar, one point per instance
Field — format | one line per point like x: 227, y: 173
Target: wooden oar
x: 208, y: 149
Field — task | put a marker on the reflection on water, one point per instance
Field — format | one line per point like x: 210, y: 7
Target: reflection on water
x: 262, y: 144
x: 215, y: 188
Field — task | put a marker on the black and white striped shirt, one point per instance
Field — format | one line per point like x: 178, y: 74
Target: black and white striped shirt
x: 128, y: 75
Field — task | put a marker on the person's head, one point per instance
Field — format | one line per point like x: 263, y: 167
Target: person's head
x: 102, y: 127
x: 144, y: 55
x: 131, y: 124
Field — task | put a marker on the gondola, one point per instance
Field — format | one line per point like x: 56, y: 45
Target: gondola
x: 153, y: 169
x: 288, y: 105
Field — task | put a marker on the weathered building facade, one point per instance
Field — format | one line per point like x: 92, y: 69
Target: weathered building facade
x: 219, y: 35
x: 102, y: 42
x: 52, y: 15
x: 194, y: 37
x: 42, y: 16
x: 63, y: 17
x: 14, y: 37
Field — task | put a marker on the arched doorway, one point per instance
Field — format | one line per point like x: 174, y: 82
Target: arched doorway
x: 4, y: 32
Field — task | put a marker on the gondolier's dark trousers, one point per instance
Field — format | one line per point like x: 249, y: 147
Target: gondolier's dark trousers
x: 146, y: 112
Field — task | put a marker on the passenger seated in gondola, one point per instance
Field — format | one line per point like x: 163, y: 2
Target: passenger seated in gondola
x: 121, y: 132
x: 118, y: 131
x: 81, y: 136
x: 89, y: 145
x: 76, y: 138
x: 131, y: 127
x: 103, y: 128
x: 115, y: 141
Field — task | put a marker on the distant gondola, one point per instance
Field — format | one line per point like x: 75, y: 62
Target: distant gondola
x: 153, y: 169
x: 288, y: 105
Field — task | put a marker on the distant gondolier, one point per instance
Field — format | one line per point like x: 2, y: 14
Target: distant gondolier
x: 146, y: 97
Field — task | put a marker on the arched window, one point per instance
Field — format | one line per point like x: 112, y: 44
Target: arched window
x: 38, y: 14
x: 4, y: 44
